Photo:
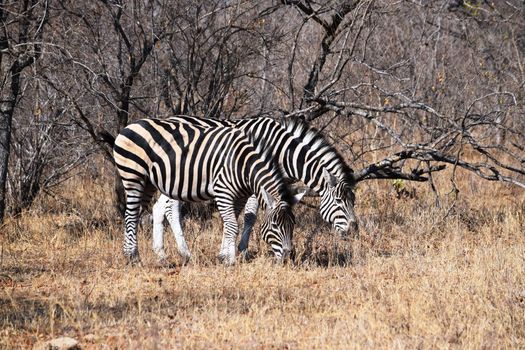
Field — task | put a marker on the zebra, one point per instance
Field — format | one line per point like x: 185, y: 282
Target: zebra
x: 303, y: 154
x: 190, y: 163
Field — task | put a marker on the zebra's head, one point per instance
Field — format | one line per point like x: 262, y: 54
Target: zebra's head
x: 277, y: 226
x: 337, y: 204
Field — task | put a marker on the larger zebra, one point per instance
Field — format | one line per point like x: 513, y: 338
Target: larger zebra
x: 191, y: 163
x: 303, y: 154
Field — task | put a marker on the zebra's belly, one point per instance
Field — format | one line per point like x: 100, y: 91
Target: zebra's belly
x: 201, y: 194
x: 184, y: 186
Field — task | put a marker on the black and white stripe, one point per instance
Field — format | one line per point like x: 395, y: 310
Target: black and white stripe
x: 304, y: 155
x: 191, y: 163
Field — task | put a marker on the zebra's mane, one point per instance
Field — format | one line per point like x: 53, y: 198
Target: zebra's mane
x: 317, y: 142
x: 261, y: 147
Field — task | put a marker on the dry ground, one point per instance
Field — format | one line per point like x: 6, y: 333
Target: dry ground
x: 419, y: 277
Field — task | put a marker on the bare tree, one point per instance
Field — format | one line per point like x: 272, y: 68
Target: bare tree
x: 217, y: 51
x: 23, y: 24
x: 46, y: 145
x: 142, y: 60
x: 403, y: 89
x: 115, y: 40
x: 418, y: 94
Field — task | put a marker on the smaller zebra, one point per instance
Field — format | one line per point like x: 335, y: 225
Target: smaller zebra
x: 303, y: 155
x: 190, y: 163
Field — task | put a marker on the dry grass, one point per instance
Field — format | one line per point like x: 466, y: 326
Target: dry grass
x: 419, y: 277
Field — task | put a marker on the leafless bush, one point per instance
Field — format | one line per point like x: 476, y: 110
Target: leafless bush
x: 403, y: 88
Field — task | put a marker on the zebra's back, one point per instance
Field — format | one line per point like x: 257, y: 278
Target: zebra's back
x: 181, y: 160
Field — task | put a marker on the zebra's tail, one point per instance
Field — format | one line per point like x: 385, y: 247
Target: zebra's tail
x: 105, y: 136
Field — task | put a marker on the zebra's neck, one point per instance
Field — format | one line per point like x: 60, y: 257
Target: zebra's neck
x: 301, y: 151
x: 312, y: 175
x: 264, y: 174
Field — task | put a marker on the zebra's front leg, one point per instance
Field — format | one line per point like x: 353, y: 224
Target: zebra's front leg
x: 229, y: 237
x: 250, y: 216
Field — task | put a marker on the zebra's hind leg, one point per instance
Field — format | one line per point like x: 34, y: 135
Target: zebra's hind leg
x: 159, y: 210
x: 250, y: 216
x: 174, y: 218
x: 131, y: 218
x: 138, y: 196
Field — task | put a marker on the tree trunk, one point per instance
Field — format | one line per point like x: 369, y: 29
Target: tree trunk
x: 25, y: 55
x: 7, y: 108
x: 6, y: 117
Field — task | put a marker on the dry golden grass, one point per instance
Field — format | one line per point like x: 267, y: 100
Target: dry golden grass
x: 419, y: 277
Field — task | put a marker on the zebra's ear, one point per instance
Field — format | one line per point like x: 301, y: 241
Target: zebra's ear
x: 270, y: 201
x: 297, y: 198
x: 330, y: 179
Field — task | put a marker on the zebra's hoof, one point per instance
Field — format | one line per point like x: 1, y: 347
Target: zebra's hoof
x: 243, y: 255
x: 162, y: 261
x: 243, y: 247
x: 161, y: 255
x: 166, y: 264
x: 226, y: 259
x: 246, y: 256
x: 185, y: 259
x: 134, y: 259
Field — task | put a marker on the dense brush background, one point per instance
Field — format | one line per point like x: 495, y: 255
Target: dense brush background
x: 400, y: 88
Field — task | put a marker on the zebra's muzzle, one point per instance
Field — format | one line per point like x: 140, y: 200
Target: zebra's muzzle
x: 352, y: 231
x: 288, y: 255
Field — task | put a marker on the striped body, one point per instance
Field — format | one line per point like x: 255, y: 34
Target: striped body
x: 190, y: 163
x: 302, y: 154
